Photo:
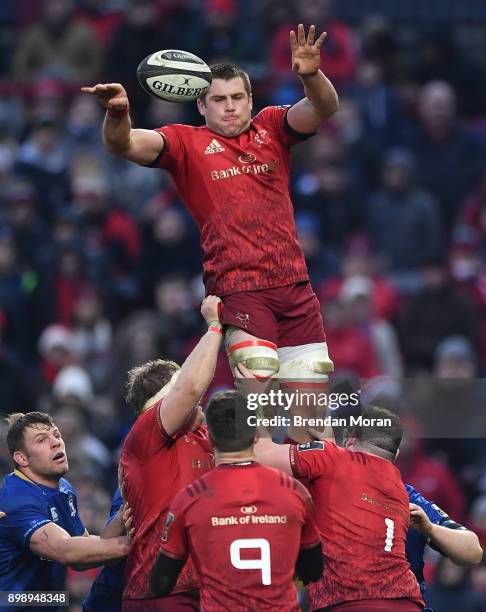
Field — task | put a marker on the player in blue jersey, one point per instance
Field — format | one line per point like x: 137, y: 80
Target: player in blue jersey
x: 106, y: 591
x: 42, y: 532
x: 431, y: 525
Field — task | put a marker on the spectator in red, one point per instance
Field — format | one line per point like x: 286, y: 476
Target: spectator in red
x: 356, y: 296
x: 352, y: 350
x: 57, y: 350
x: 101, y: 19
x: 339, y: 58
x: 431, y: 477
x: 360, y: 262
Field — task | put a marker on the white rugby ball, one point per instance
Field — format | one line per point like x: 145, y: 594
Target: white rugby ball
x: 174, y: 75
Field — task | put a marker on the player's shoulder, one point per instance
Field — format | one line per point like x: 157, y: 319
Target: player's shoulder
x: 413, y: 495
x: 278, y: 479
x: 66, y: 487
x: 270, y: 117
x: 432, y: 510
x: 192, y: 493
x: 17, y: 492
x: 144, y: 420
x: 273, y: 110
x: 316, y: 448
x: 182, y: 129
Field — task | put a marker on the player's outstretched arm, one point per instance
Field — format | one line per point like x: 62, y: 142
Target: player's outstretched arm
x: 321, y: 99
x: 52, y: 542
x: 139, y: 146
x: 195, y: 374
x: 460, y: 545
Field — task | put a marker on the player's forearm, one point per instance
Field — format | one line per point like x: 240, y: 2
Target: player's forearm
x: 321, y: 94
x: 91, y: 550
x: 198, y: 369
x: 462, y: 547
x: 116, y: 133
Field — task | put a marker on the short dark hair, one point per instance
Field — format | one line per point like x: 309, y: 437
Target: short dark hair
x: 386, y: 437
x: 17, y: 424
x: 227, y: 421
x: 227, y: 72
x: 144, y: 381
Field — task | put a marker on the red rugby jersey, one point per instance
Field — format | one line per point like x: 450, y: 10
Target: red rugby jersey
x: 154, y: 467
x: 237, y: 190
x: 243, y: 525
x: 361, y: 511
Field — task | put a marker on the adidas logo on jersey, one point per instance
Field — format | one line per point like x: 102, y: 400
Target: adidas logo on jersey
x: 213, y: 147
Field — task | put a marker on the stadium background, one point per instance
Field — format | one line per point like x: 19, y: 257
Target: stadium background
x: 100, y: 263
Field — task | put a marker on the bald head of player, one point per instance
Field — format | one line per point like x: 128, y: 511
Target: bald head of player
x: 380, y: 433
x: 227, y: 105
x: 231, y: 435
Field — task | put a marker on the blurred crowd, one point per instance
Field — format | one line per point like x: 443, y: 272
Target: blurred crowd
x: 100, y: 263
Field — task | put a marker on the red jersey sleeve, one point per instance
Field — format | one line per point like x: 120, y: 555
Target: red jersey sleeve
x: 313, y: 459
x: 309, y: 535
x: 174, y: 537
x: 173, y: 152
x: 275, y: 119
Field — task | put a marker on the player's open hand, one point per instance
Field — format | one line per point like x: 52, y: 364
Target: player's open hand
x: 419, y: 520
x: 210, y: 308
x: 306, y: 54
x: 112, y: 96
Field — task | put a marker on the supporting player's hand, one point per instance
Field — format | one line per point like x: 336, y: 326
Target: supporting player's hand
x: 306, y: 54
x: 112, y: 96
x: 246, y: 382
x: 419, y: 520
x: 210, y: 309
x: 128, y: 520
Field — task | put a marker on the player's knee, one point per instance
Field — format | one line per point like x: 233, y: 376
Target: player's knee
x: 257, y: 355
x: 306, y: 362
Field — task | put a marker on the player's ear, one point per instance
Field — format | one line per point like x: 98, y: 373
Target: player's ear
x: 201, y: 106
x: 251, y: 102
x: 20, y: 459
x: 350, y: 441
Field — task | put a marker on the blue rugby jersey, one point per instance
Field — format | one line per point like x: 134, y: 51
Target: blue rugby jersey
x: 417, y: 541
x: 106, y: 591
x: 28, y: 507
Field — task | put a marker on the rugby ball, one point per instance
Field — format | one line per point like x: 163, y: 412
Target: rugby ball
x: 174, y: 75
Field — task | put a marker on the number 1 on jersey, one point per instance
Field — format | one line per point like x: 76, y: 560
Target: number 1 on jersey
x: 390, y: 531
x: 263, y: 563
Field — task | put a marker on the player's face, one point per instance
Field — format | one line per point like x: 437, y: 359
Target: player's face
x: 45, y: 454
x: 227, y: 107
